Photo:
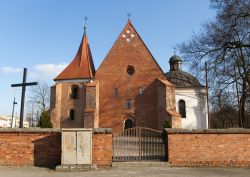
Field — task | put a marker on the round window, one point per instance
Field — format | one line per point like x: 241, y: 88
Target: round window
x: 130, y: 70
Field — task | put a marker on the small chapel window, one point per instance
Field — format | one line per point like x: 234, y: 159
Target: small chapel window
x: 72, y: 114
x: 130, y: 70
x: 141, y: 90
x: 116, y: 92
x: 182, y: 108
x: 74, y: 92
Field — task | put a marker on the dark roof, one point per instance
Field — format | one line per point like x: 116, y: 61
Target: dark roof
x: 182, y: 79
x: 175, y: 58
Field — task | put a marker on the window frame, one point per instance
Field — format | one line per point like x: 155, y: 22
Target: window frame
x: 130, y: 70
x: 129, y: 104
x: 141, y: 90
x: 72, y: 114
x: 182, y: 108
x: 116, y: 92
x: 74, y: 92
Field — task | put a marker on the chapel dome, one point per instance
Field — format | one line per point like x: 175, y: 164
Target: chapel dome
x: 178, y: 77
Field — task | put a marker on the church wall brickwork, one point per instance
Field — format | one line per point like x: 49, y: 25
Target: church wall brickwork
x: 67, y: 103
x: 85, y: 104
x: 88, y: 119
x: 42, y: 147
x: 212, y: 147
x: 162, y: 104
x: 117, y: 86
x: 90, y: 98
x: 55, y: 110
x: 52, y: 97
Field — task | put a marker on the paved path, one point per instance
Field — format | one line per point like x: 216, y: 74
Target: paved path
x: 127, y: 172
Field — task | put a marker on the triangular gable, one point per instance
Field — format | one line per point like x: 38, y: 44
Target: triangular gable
x: 126, y: 38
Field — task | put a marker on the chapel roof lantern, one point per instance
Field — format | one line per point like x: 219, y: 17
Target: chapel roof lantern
x: 175, y: 63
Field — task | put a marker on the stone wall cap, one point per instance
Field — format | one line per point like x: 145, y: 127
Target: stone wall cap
x: 102, y: 130
x: 29, y: 130
x: 76, y: 129
x: 54, y: 130
x: 208, y: 131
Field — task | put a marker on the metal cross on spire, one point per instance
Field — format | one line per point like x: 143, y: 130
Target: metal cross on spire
x: 85, y: 23
x: 23, y: 85
x: 129, y: 16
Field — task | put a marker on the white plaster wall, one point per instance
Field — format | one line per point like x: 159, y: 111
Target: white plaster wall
x: 196, y: 107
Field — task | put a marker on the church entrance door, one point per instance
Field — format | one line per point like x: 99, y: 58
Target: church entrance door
x: 139, y: 144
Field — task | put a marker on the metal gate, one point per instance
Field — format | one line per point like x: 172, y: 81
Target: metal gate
x: 136, y: 144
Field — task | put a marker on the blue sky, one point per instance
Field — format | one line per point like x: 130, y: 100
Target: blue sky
x: 44, y: 35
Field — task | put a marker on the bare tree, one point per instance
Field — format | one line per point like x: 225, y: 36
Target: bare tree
x: 224, y: 44
x: 224, y: 111
x: 39, y: 99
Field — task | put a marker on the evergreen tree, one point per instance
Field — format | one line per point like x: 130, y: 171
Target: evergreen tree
x: 45, y: 120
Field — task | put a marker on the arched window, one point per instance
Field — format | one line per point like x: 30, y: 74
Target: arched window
x: 129, y: 104
x: 128, y: 124
x: 116, y: 92
x: 72, y: 114
x: 74, y: 92
x: 182, y: 108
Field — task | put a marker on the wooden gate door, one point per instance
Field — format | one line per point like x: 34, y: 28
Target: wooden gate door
x: 136, y: 144
x: 76, y: 146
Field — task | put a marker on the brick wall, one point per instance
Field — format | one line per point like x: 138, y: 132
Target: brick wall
x: 228, y: 147
x: 42, y: 147
x: 29, y: 147
x: 102, y: 148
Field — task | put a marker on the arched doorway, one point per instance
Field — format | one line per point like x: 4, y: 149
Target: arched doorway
x: 128, y: 123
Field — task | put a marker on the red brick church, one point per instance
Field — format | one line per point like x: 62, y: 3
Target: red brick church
x: 129, y: 89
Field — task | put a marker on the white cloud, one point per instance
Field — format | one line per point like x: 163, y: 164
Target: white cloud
x: 46, y: 71
x: 11, y: 70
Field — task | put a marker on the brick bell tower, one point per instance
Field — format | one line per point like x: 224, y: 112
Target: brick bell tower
x: 74, y: 96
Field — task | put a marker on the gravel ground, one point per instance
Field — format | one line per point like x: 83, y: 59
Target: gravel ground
x: 127, y: 172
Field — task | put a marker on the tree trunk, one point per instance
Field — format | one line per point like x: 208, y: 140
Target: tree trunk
x: 242, y: 105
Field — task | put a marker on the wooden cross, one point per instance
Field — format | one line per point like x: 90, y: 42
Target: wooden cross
x: 23, y: 85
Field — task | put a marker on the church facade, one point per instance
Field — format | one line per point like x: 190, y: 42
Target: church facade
x: 129, y: 89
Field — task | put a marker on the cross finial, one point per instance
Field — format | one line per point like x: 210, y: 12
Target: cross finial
x: 85, y: 23
x: 129, y: 15
x: 174, y: 50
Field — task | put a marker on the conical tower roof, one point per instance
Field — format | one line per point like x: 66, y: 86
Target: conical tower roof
x: 82, y: 66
